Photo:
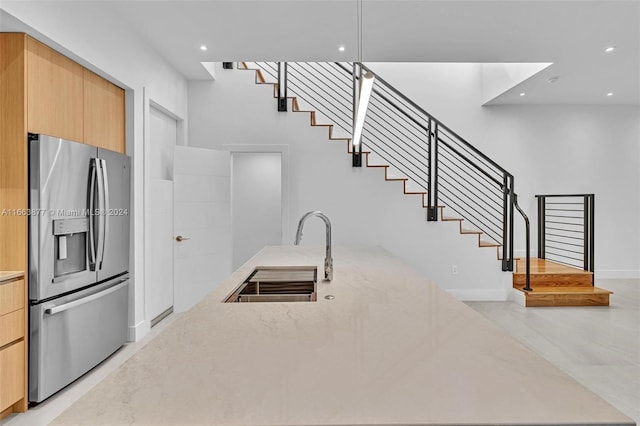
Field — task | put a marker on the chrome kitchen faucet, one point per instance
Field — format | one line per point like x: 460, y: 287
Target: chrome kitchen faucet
x: 328, y: 261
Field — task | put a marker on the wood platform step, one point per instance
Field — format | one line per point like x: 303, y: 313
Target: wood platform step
x: 555, y: 284
x: 546, y: 273
x: 567, y: 296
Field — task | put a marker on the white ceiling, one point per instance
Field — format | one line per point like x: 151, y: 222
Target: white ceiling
x: 571, y: 34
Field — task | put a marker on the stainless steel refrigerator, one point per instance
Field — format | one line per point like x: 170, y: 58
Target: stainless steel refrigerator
x: 78, y: 260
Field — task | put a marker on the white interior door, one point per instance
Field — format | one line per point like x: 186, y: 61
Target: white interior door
x: 163, y: 131
x: 202, y: 219
x: 256, y: 203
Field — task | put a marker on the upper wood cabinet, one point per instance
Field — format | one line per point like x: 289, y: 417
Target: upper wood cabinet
x: 54, y: 93
x: 68, y: 101
x: 103, y: 113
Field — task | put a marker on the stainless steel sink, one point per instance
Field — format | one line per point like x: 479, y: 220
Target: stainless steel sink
x: 277, y: 284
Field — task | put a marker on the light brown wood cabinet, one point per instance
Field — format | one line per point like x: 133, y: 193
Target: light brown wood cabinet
x: 12, y: 383
x: 103, y: 113
x: 13, y: 318
x: 41, y: 91
x: 54, y: 93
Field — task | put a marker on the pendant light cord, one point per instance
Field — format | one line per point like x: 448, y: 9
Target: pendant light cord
x: 359, y: 28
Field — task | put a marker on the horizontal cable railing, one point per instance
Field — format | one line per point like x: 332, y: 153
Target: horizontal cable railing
x: 566, y: 229
x: 398, y: 135
x: 434, y: 159
x: 471, y: 185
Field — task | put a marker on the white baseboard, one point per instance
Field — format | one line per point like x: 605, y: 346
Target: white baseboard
x: 136, y: 332
x: 516, y: 296
x: 480, y: 295
x: 616, y: 274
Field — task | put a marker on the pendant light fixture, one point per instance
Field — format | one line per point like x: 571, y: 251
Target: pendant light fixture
x: 365, y: 81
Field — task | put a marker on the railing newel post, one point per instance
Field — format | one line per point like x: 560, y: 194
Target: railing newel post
x: 586, y: 215
x: 527, y: 283
x: 282, y: 86
x: 356, y: 151
x: 511, y: 207
x: 432, y: 211
x: 592, y: 210
x: 505, y: 221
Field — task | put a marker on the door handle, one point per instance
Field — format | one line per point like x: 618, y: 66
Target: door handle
x: 180, y: 238
x: 101, y: 211
x: 105, y: 215
x: 66, y: 306
x: 92, y: 204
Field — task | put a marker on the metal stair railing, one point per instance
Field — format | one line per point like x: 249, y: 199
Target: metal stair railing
x: 566, y: 229
x: 437, y: 162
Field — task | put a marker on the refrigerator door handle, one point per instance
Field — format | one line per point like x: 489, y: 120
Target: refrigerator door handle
x: 105, y: 216
x: 100, y: 212
x: 66, y: 306
x: 92, y: 204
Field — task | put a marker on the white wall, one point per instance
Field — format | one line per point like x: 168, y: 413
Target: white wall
x: 256, y: 203
x: 549, y: 149
x: 96, y: 38
x: 363, y: 208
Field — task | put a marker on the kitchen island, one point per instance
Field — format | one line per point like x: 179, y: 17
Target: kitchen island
x: 390, y: 348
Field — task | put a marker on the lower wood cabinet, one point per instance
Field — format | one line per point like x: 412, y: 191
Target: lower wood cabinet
x: 12, y: 367
x: 13, y: 356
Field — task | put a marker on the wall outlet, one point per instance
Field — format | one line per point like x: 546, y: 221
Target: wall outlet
x: 454, y: 269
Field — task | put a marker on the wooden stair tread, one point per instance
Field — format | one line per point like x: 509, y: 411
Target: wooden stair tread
x: 470, y: 231
x: 533, y: 272
x: 566, y: 290
x: 450, y: 219
x: 566, y: 296
x: 545, y: 266
x: 488, y: 244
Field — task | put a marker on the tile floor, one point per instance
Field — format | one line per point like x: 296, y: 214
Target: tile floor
x: 45, y: 412
x: 597, y: 346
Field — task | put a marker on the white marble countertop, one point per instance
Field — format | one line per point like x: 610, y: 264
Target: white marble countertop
x: 10, y: 275
x: 391, y: 348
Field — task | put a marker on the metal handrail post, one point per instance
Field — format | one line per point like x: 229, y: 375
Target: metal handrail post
x: 511, y: 207
x: 592, y: 210
x: 432, y: 213
x: 505, y: 222
x: 527, y: 284
x: 541, y: 227
x: 282, y: 86
x: 356, y: 151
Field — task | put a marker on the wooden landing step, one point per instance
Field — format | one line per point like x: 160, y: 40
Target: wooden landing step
x: 555, y: 284
x: 567, y: 296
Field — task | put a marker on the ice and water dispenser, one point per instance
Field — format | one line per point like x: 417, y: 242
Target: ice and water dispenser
x: 70, y: 246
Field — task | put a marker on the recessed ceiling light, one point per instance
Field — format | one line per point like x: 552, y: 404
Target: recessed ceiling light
x: 203, y: 47
x: 610, y: 49
x: 341, y: 48
x: 522, y: 94
x: 610, y: 94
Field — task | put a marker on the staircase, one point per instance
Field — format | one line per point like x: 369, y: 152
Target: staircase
x: 432, y: 162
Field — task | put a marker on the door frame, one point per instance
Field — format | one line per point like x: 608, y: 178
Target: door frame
x: 283, y: 150
x: 143, y: 327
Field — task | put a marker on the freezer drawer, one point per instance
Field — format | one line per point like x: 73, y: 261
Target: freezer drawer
x: 72, y: 334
